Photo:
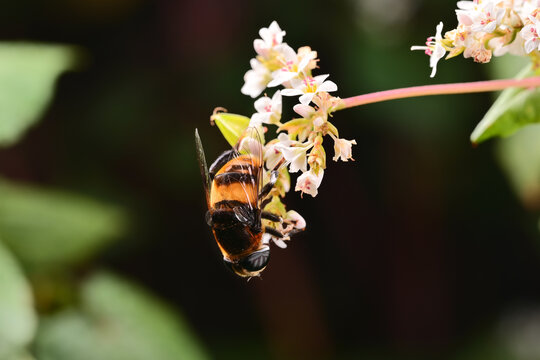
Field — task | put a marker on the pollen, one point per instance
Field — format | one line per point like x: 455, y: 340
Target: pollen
x: 310, y: 85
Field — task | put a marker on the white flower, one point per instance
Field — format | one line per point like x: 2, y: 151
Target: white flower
x: 270, y: 37
x: 266, y: 237
x: 293, y: 64
x: 488, y: 17
x: 308, y: 87
x: 304, y: 111
x: 434, y: 49
x: 476, y: 5
x: 284, y: 179
x: 527, y: 8
x: 296, y: 219
x: 291, y: 221
x: 530, y: 34
x: 478, y: 52
x: 251, y: 146
x: 272, y: 152
x: 295, y: 154
x: 255, y: 79
x: 343, y: 149
x: 483, y: 16
x: 268, y: 110
x: 467, y: 5
x: 309, y: 182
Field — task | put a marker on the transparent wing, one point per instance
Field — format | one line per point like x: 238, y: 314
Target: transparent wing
x: 203, y: 167
x: 249, y: 156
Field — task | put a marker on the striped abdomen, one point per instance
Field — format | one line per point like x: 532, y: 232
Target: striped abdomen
x: 237, y: 181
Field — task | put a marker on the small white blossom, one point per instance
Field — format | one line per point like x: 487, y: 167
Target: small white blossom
x: 478, y: 52
x: 530, y: 35
x: 272, y: 152
x: 296, y: 155
x: 527, y: 8
x: 489, y: 28
x: 343, y: 149
x: 299, y: 145
x: 434, y: 49
x: 266, y: 238
x: 309, y: 182
x: 482, y: 16
x: 293, y: 64
x: 304, y: 111
x: 291, y: 221
x: 271, y: 37
x: 488, y: 17
x: 255, y: 79
x: 268, y: 110
x: 296, y: 219
x: 310, y: 86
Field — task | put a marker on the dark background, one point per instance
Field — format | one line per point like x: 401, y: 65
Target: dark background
x: 418, y: 249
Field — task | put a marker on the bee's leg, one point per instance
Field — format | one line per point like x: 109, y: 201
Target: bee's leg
x: 273, y: 232
x: 269, y: 185
x: 220, y: 162
x: 275, y: 218
x: 265, y: 202
x: 270, y: 216
x: 273, y: 178
x: 295, y: 231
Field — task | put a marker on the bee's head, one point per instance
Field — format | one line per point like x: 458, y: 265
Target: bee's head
x: 250, y: 265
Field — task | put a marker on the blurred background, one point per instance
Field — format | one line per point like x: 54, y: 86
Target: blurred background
x: 420, y: 249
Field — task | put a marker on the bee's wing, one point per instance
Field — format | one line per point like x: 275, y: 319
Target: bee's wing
x: 203, y: 167
x: 250, y: 144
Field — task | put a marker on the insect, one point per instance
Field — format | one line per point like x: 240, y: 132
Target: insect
x: 235, y: 196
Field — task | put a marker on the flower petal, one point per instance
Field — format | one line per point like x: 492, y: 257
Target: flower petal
x: 328, y: 86
x: 305, y: 99
x: 291, y: 92
x: 304, y: 111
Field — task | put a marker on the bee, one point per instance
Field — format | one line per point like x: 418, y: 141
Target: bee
x: 235, y: 196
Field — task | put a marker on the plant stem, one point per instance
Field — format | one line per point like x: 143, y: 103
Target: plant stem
x: 441, y: 89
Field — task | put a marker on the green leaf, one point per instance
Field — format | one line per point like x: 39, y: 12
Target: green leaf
x: 27, y: 76
x: 52, y: 228
x: 506, y: 67
x: 519, y: 156
x: 232, y: 126
x: 18, y: 320
x: 513, y: 109
x: 117, y: 321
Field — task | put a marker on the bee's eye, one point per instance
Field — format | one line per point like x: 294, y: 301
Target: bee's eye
x: 256, y: 261
x: 251, y: 265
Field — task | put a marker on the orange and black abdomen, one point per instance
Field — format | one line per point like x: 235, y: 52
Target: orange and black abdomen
x: 237, y: 180
x: 235, y: 187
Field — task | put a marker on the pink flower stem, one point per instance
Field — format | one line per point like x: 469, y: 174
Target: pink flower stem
x: 441, y: 89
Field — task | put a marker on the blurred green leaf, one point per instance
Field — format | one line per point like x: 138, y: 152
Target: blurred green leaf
x: 513, y: 109
x: 117, y: 321
x: 485, y: 348
x: 18, y: 319
x: 50, y: 228
x: 27, y: 76
x: 508, y: 66
x: 519, y: 156
x: 232, y: 126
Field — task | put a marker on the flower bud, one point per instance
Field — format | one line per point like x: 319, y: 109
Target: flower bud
x: 232, y: 126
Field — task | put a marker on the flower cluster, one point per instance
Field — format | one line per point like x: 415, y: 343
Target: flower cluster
x: 299, y: 145
x: 488, y: 28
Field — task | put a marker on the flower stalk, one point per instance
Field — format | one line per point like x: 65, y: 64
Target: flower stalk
x: 440, y: 89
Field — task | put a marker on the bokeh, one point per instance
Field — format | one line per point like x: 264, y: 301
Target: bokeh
x: 419, y: 249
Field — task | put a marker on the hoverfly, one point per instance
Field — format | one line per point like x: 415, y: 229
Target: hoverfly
x: 235, y: 196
